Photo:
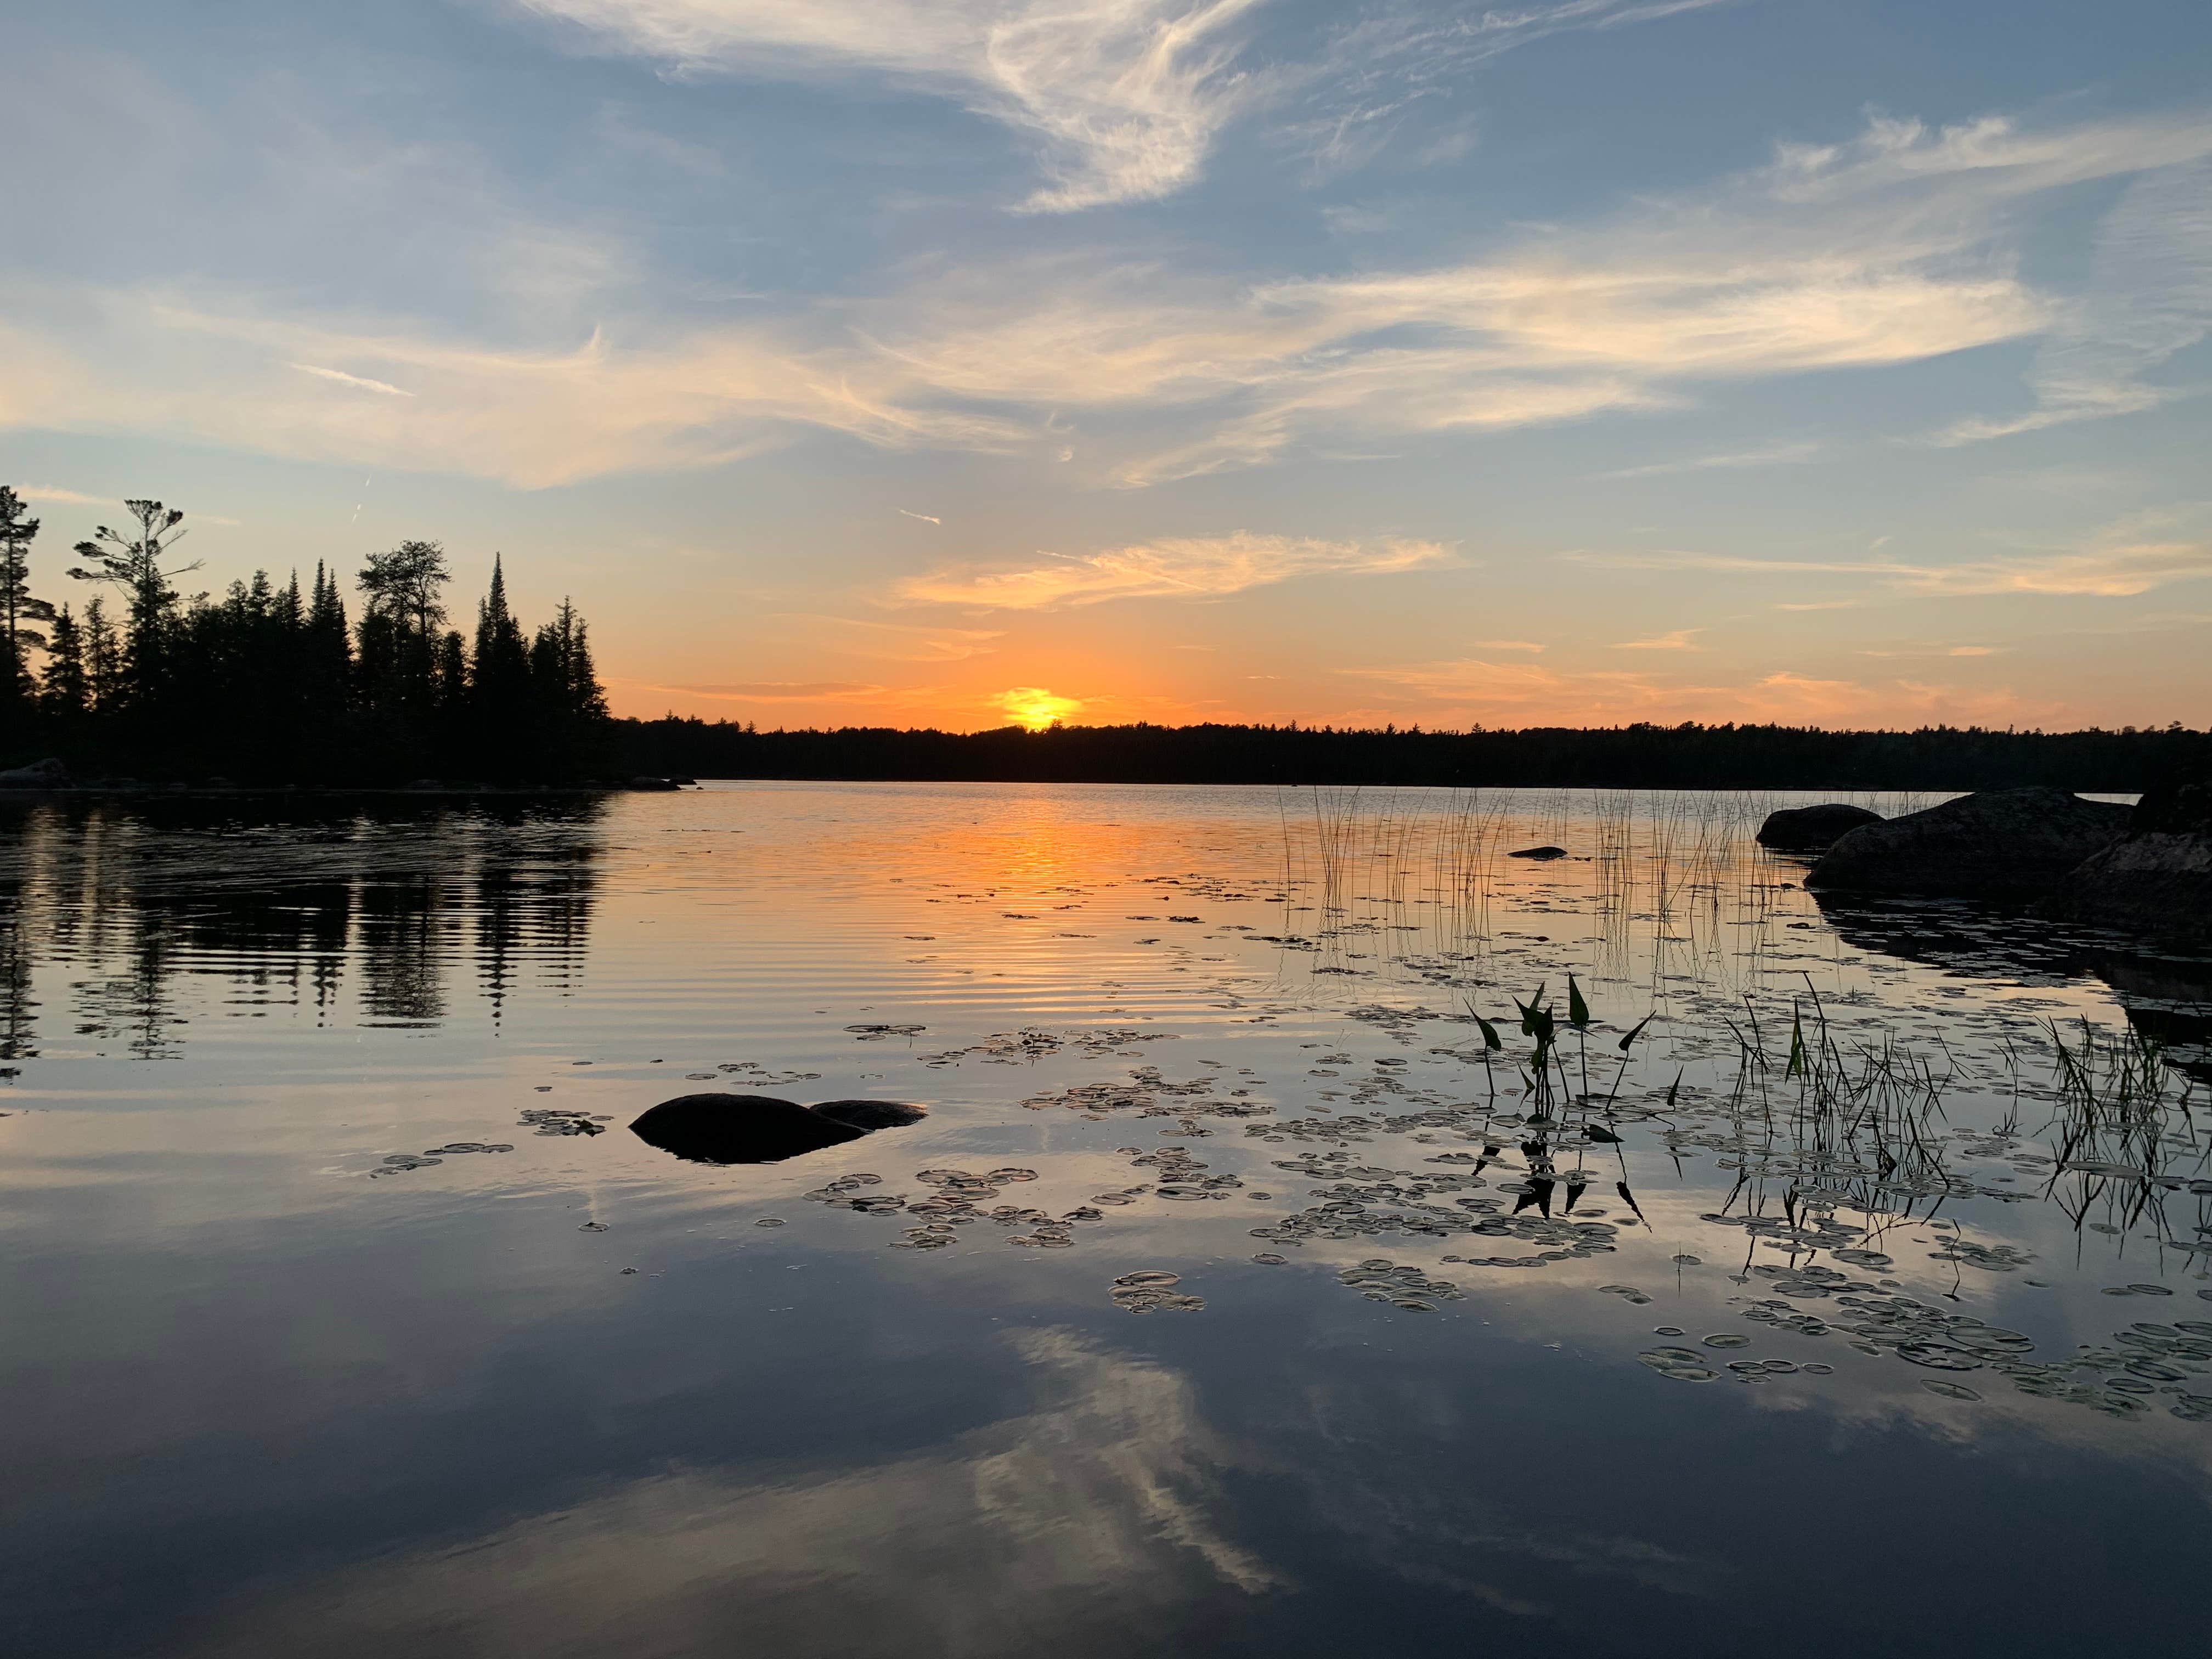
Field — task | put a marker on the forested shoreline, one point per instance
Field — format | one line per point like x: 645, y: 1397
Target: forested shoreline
x: 272, y: 684
x: 1686, y: 756
x: 269, y: 683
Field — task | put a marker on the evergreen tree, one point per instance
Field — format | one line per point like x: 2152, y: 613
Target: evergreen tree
x: 18, y: 608
x: 400, y: 642
x: 103, y: 658
x: 139, y: 566
x: 326, y: 668
x: 452, y: 683
x: 571, y: 705
x: 65, y: 695
x: 500, y: 705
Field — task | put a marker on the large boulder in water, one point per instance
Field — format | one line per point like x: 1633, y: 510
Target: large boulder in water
x: 1998, y: 843
x: 761, y: 1129
x: 2157, y: 879
x: 1809, y: 829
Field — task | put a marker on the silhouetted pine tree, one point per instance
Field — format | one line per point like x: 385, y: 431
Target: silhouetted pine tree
x: 400, y: 644
x: 18, y: 609
x: 65, y: 692
x: 571, y: 707
x: 326, y: 669
x: 500, y: 704
x: 103, y: 660
x: 138, y: 565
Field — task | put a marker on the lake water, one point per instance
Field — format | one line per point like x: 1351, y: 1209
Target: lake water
x: 1836, y: 1315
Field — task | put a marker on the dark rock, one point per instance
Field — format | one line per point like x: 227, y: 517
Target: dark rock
x: 1539, y: 853
x: 869, y: 1115
x: 652, y: 783
x: 47, y: 773
x: 1807, y: 829
x: 1996, y: 843
x: 759, y: 1129
x: 2183, y: 809
x: 2157, y: 879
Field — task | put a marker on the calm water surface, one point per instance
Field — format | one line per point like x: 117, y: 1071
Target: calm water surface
x: 345, y: 1316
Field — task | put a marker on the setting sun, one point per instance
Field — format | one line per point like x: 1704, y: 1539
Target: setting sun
x: 1034, y: 707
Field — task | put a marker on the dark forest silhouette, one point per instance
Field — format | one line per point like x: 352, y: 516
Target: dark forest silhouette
x: 1616, y: 757
x: 267, y: 684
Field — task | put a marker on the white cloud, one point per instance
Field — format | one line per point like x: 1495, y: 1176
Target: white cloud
x: 1893, y: 256
x: 1992, y: 157
x: 896, y: 641
x: 1775, y: 455
x: 1470, y: 689
x: 345, y: 379
x: 60, y: 497
x: 1681, y: 639
x: 925, y: 517
x: 1125, y: 96
x: 2117, y: 566
x: 2150, y: 298
x: 1176, y: 567
x: 2139, y: 553
x: 772, y: 690
x: 1391, y: 59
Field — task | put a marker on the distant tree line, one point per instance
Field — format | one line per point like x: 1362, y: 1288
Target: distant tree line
x: 268, y: 684
x: 1641, y: 756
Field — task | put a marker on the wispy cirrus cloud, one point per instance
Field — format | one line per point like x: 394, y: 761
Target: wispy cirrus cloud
x: 2139, y: 553
x: 894, y: 642
x: 773, y: 690
x: 1681, y: 639
x: 1387, y: 62
x: 1933, y: 651
x: 1171, y: 567
x: 360, y: 381
x: 1474, y: 688
x: 2150, y: 298
x: 2119, y: 564
x: 1773, y: 455
x: 1882, y: 253
x: 1123, y: 97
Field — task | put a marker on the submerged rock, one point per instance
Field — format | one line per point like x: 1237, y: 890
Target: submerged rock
x: 1808, y: 828
x: 761, y: 1129
x: 1539, y: 853
x: 868, y: 1116
x: 2157, y: 879
x: 2000, y: 843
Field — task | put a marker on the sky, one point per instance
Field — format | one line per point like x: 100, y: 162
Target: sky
x: 957, y: 362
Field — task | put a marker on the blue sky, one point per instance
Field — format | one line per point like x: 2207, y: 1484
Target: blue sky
x: 878, y: 361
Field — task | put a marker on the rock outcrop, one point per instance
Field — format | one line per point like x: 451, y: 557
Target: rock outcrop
x: 2155, y: 879
x: 1810, y: 828
x: 761, y: 1129
x: 2000, y: 843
